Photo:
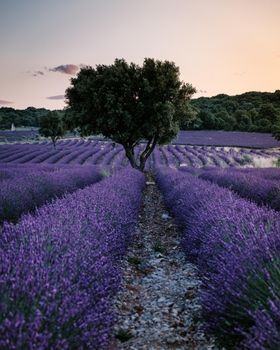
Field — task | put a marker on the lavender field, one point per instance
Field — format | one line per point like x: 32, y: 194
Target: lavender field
x: 19, y: 135
x: 68, y: 221
x: 202, y: 138
x: 140, y: 175
x: 226, y: 138
x: 107, y: 154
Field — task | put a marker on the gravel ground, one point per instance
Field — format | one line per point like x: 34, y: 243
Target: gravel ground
x: 158, y: 306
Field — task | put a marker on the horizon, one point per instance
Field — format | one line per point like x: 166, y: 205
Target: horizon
x: 221, y: 48
x: 192, y: 98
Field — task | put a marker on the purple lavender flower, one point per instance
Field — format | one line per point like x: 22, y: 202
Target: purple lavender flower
x: 32, y: 186
x: 236, y: 245
x: 60, y: 268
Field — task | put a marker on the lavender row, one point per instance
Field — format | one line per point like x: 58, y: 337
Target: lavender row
x: 87, y: 152
x: 266, y: 173
x: 246, y: 184
x: 226, y: 138
x: 15, y: 171
x: 45, y: 153
x: 37, y: 186
x: 236, y: 246
x: 60, y: 268
x: 206, y: 137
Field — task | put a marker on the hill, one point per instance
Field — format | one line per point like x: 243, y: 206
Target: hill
x: 251, y: 111
x: 21, y: 117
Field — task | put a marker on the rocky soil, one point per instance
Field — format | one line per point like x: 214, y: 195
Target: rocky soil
x: 158, y: 306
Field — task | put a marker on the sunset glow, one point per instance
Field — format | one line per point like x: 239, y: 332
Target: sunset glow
x: 220, y: 46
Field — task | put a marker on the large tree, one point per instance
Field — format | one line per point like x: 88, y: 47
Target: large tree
x: 52, y: 125
x: 129, y: 103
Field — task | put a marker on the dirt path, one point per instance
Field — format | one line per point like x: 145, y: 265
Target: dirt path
x: 158, y: 307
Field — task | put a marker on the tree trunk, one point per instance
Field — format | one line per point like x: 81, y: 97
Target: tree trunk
x: 147, y: 152
x: 54, y: 144
x: 129, y: 151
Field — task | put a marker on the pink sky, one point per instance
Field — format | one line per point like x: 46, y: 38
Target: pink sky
x: 220, y: 46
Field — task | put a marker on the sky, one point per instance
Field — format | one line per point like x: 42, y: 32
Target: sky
x: 220, y: 46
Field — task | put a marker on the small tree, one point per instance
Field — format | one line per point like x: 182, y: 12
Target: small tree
x: 276, y: 131
x: 128, y: 103
x: 52, y: 125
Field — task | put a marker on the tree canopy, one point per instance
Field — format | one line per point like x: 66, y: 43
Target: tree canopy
x: 30, y: 116
x: 52, y: 125
x: 251, y: 111
x: 129, y: 103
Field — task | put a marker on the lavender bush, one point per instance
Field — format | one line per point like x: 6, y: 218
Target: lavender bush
x: 36, y: 186
x: 236, y: 245
x: 265, y: 173
x: 60, y: 267
x: 14, y: 171
x: 247, y: 184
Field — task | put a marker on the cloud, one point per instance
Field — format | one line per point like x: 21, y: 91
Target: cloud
x: 202, y: 91
x: 35, y: 73
x: 56, y: 97
x: 5, y: 103
x: 70, y: 69
x: 38, y: 73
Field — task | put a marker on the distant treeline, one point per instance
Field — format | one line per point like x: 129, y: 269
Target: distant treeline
x: 251, y: 111
x: 21, y: 117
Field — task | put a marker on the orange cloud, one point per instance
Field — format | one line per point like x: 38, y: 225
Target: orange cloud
x: 5, y: 103
x: 71, y: 69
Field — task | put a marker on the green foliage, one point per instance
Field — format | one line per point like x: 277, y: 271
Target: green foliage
x: 105, y: 173
x: 276, y: 131
x: 134, y: 260
x: 52, y: 126
x: 277, y: 163
x: 251, y: 111
x: 159, y: 248
x: 245, y: 160
x: 28, y: 117
x: 124, y: 335
x: 128, y: 103
x: 257, y: 295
